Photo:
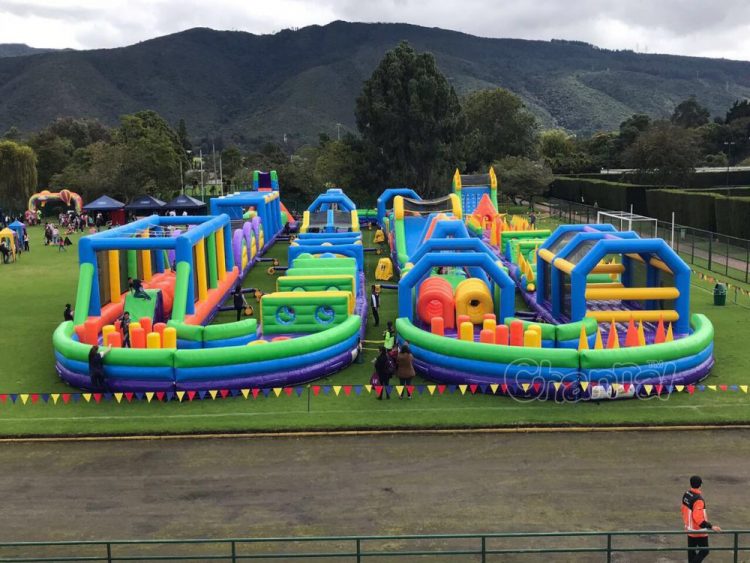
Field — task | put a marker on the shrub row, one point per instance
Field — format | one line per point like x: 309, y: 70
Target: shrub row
x: 618, y: 196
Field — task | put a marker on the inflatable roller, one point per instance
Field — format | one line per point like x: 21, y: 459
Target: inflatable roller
x: 436, y: 300
x: 668, y: 315
x: 473, y: 299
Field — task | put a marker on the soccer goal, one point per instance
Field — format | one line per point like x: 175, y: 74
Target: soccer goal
x: 628, y: 221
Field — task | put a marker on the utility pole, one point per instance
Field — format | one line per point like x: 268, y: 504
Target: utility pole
x: 213, y: 155
x: 221, y: 175
x: 203, y: 186
x: 338, y: 131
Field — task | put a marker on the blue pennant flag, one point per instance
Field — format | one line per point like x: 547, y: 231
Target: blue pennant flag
x: 734, y: 387
x: 483, y: 389
x: 201, y: 395
x: 169, y: 396
x: 45, y: 397
x: 75, y: 397
x: 107, y: 396
x: 701, y: 387
x: 452, y: 389
x: 421, y: 389
x: 13, y: 397
x: 234, y: 392
x: 357, y: 390
x: 299, y: 390
x: 326, y: 389
x: 266, y: 391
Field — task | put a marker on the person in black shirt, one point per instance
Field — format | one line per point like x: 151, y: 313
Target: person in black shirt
x: 96, y: 367
x: 137, y: 286
x: 125, y: 327
x: 239, y: 301
x: 68, y: 313
x: 375, y: 305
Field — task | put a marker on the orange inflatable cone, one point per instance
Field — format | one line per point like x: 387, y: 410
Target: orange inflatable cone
x: 641, y: 334
x: 583, y: 341
x: 670, y: 334
x: 612, y: 340
x: 631, y: 337
x: 660, y: 335
x: 598, y: 344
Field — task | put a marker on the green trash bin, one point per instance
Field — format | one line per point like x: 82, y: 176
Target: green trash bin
x: 720, y: 294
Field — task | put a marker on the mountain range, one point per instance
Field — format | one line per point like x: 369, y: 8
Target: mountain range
x: 248, y: 89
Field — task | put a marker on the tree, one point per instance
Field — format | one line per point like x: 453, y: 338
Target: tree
x: 410, y: 119
x: 523, y: 178
x: 53, y: 155
x: 689, y: 113
x: 231, y: 163
x: 497, y: 125
x: 630, y: 129
x: 336, y: 165
x: 183, y: 135
x: 738, y: 111
x: 17, y: 174
x: 664, y: 153
x: 12, y: 134
x: 601, y: 149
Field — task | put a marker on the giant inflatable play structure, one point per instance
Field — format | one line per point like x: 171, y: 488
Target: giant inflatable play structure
x: 66, y: 197
x: 331, y: 212
x: 608, y: 311
x: 309, y: 327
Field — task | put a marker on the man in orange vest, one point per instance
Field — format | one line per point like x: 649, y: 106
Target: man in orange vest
x: 696, y: 521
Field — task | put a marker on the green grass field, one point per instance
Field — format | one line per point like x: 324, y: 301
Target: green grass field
x: 34, y: 290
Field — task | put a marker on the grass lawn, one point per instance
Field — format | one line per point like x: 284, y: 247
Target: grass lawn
x: 34, y: 290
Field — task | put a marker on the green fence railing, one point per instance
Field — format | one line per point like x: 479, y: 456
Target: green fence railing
x: 531, y: 546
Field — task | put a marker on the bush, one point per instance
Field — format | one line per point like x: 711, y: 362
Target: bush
x: 731, y: 216
x: 617, y: 196
x: 693, y: 209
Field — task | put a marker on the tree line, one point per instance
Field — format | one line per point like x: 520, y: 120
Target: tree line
x: 412, y: 130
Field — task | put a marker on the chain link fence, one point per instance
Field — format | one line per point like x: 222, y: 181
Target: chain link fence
x: 721, y: 254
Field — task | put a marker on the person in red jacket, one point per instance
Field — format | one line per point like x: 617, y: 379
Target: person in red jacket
x: 696, y: 522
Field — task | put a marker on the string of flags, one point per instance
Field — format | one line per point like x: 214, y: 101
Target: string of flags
x: 525, y: 390
x: 729, y: 285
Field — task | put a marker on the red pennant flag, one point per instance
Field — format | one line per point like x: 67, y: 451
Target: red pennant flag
x: 316, y: 390
x: 190, y: 395
x: 410, y: 389
x: 289, y: 391
x: 160, y: 395
x: 35, y: 397
x: 129, y: 396
x: 3, y: 398
x: 255, y: 393
x: 722, y: 387
x: 691, y: 389
x: 97, y: 397
x: 224, y: 393
x: 473, y: 388
x: 536, y: 387
x: 347, y: 390
x: 626, y: 387
x: 441, y: 389
x: 66, y: 398
x: 378, y: 389
x: 567, y: 385
x: 504, y: 388
x: 658, y: 388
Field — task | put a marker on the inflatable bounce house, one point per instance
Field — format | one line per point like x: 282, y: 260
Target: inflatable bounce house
x: 609, y: 312
x: 472, y: 189
x: 269, y: 182
x: 331, y: 212
x: 66, y: 197
x: 310, y: 327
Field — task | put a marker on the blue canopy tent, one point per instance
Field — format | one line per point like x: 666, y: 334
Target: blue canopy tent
x: 185, y: 203
x: 104, y: 204
x: 19, y: 228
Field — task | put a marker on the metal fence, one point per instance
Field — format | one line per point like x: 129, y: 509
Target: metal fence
x: 721, y: 254
x: 556, y: 546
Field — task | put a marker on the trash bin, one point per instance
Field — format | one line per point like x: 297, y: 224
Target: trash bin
x: 720, y: 294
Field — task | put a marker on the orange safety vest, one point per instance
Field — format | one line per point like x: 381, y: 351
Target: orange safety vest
x: 694, y: 513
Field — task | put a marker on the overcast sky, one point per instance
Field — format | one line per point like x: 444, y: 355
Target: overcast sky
x: 689, y: 27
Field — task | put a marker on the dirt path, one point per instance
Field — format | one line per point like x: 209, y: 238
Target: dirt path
x: 368, y: 485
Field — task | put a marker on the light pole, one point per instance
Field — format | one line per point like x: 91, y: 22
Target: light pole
x: 729, y: 145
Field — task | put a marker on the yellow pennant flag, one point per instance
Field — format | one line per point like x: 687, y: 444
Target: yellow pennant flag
x: 180, y: 395
x: 86, y: 397
x: 494, y: 387
x: 54, y: 397
x: 399, y: 389
x: 525, y: 386
x: 245, y: 393
x: 149, y: 396
x: 744, y: 388
x: 584, y: 385
x: 118, y: 397
x: 557, y: 385
x: 679, y: 388
x: 711, y: 387
x: 337, y: 389
x: 648, y: 389
x: 24, y: 397
x: 431, y: 389
x: 616, y: 387
x: 463, y: 389
x: 368, y: 388
x: 213, y: 393
x: 277, y: 391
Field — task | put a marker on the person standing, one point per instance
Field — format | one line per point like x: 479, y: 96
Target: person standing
x: 96, y: 367
x: 405, y: 370
x: 68, y: 313
x: 532, y: 220
x: 384, y: 369
x: 696, y: 522
x: 125, y: 328
x: 239, y: 301
x: 389, y: 337
x: 375, y: 304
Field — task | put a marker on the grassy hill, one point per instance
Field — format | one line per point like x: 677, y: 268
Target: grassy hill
x: 20, y: 49
x: 249, y: 88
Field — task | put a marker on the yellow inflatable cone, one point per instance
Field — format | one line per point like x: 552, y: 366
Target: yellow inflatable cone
x: 583, y: 341
x: 641, y: 334
x: 670, y: 334
x: 598, y: 344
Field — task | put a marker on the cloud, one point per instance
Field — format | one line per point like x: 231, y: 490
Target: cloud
x: 689, y: 27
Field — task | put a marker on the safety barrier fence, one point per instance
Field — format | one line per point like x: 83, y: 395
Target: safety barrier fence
x: 714, y: 252
x: 524, y: 546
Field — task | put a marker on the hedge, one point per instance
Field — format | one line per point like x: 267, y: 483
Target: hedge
x: 617, y: 196
x: 732, y: 215
x: 693, y: 209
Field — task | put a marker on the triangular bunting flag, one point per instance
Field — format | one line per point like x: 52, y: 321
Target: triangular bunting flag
x: 86, y: 397
x: 255, y: 393
x: 224, y: 393
x: 266, y: 392
x: 190, y: 395
x: 493, y: 388
x: 421, y: 389
x: 400, y: 390
x: 378, y: 389
x: 336, y: 390
x: 24, y: 397
x: 289, y: 391
x: 357, y: 390
x: 743, y: 388
x: 584, y: 385
x: 214, y: 393
x: 441, y: 389
x: 45, y: 397
x: 34, y: 398
x: 536, y: 386
x: 160, y: 395
x: 679, y: 388
x: 451, y: 389
x: 368, y: 388
x: 648, y: 388
x: 711, y: 387
x: 462, y: 388
x: 431, y: 389
x: 277, y: 391
x: 149, y: 396
x: 347, y: 390
x: 299, y: 390
x: 316, y: 390
x: 525, y: 387
x: 326, y: 389
x: 66, y: 398
x: 473, y: 388
x: 54, y: 397
x: 557, y: 385
x: 118, y: 397
x: 245, y: 393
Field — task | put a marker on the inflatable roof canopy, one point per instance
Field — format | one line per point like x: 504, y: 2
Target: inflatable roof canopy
x: 66, y: 197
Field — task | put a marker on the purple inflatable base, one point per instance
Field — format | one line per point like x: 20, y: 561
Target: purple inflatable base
x: 545, y: 389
